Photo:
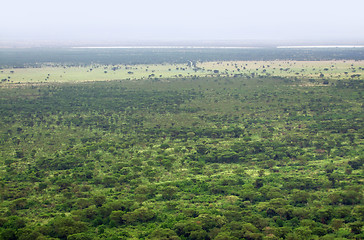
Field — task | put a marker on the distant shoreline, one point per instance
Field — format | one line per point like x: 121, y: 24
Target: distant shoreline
x: 185, y: 46
x: 216, y: 47
x: 172, y: 47
x: 324, y: 46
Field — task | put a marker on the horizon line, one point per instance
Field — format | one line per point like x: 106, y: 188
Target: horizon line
x: 216, y: 47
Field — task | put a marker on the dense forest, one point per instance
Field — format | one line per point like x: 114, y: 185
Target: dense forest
x: 184, y: 158
x: 25, y: 57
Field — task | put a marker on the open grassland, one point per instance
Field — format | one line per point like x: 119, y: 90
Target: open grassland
x: 55, y: 73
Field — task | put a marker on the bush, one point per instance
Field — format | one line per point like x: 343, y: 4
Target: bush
x: 81, y: 236
x: 62, y: 227
x: 163, y: 234
x: 140, y: 215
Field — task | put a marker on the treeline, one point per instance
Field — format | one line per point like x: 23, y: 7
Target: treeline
x: 35, y: 57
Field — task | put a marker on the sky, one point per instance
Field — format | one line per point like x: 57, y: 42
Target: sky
x: 186, y: 20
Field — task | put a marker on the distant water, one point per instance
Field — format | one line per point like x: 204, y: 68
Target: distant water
x: 167, y: 47
x: 324, y: 46
x: 213, y: 47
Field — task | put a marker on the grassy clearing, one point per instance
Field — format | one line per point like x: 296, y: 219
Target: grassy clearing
x: 333, y: 70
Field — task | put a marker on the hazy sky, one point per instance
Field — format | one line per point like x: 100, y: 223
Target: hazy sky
x: 174, y: 20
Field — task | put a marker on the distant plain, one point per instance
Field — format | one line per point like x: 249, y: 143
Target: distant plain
x: 51, y: 73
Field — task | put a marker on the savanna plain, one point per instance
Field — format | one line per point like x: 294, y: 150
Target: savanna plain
x: 212, y: 146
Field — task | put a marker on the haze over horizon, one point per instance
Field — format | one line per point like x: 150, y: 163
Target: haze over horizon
x: 160, y: 21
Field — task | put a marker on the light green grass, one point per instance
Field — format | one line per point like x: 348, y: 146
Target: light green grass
x: 300, y: 69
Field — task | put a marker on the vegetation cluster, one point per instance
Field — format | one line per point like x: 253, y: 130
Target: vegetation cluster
x: 36, y: 57
x: 220, y: 157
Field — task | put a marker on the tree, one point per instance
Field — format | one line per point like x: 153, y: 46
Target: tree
x: 169, y: 192
x: 139, y: 215
x: 81, y: 236
x: 185, y: 228
x: 259, y: 183
x: 99, y: 200
x: 117, y: 216
x: 62, y: 227
x: 163, y: 234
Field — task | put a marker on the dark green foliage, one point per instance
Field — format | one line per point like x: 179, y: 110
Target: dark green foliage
x: 169, y: 192
x: 81, y: 236
x: 186, y: 228
x: 99, y: 200
x: 117, y: 216
x: 73, y: 57
x: 62, y: 227
x: 163, y: 234
x: 139, y: 215
x: 8, y: 234
x: 208, y: 158
x: 356, y: 164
